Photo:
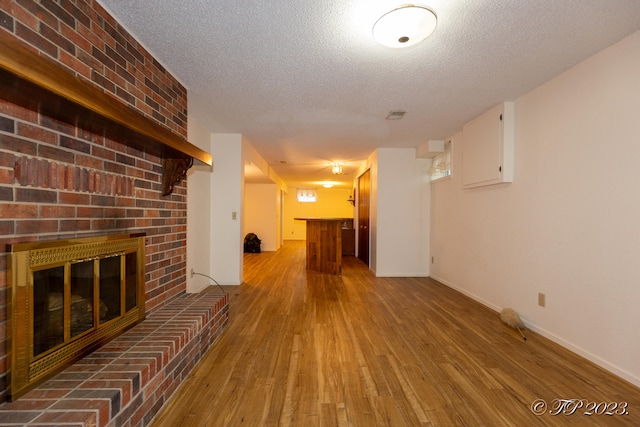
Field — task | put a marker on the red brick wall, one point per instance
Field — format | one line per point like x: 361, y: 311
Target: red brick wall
x: 58, y: 181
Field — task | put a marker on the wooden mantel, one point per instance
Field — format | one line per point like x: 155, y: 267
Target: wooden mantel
x: 37, y: 83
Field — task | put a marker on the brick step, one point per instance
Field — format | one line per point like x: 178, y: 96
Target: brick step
x: 127, y: 381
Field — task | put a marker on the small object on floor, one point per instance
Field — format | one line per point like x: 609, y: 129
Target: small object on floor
x: 511, y: 318
x: 252, y: 244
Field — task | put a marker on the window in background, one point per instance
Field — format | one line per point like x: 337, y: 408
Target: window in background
x: 307, y: 196
x: 441, y: 163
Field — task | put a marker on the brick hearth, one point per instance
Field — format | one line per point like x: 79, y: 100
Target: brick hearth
x: 127, y: 381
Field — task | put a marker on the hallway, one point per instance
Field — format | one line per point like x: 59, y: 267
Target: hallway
x: 307, y: 349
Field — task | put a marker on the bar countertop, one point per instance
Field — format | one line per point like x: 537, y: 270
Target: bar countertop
x: 322, y: 219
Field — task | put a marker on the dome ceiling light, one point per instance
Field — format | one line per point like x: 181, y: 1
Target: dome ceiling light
x: 405, y: 26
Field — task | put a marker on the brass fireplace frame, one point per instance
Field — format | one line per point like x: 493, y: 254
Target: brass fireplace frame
x: 26, y: 370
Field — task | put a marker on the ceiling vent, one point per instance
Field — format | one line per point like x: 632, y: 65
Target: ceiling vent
x: 395, y: 115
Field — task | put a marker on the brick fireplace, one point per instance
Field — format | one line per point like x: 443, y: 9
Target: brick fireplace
x: 59, y: 181
x: 67, y: 298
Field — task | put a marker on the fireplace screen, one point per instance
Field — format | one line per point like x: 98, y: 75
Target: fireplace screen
x: 67, y: 298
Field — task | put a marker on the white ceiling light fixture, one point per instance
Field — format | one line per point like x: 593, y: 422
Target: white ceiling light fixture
x: 336, y: 168
x: 405, y: 26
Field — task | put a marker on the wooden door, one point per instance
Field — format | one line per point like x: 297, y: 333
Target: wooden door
x: 364, y: 197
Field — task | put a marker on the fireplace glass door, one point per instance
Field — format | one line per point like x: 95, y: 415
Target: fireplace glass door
x: 94, y: 298
x: 69, y: 298
x: 48, y: 309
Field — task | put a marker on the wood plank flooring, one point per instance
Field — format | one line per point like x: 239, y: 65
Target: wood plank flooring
x: 310, y: 349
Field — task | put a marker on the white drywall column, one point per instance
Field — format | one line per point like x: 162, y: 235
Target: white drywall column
x: 402, y: 214
x: 227, y: 198
x: 198, y: 211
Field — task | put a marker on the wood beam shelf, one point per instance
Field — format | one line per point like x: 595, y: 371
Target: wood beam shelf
x: 37, y: 83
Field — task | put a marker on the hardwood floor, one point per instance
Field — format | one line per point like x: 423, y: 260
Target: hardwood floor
x: 310, y: 349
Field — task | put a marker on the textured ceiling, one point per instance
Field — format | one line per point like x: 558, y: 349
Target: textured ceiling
x: 306, y: 84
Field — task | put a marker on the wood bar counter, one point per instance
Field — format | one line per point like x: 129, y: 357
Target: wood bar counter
x: 324, y: 244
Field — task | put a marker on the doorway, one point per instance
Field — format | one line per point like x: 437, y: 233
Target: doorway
x: 364, y: 200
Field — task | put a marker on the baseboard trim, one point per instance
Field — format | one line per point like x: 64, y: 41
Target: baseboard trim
x: 614, y: 369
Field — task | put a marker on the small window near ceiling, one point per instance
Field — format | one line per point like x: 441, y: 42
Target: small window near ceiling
x: 441, y: 163
x: 307, y: 196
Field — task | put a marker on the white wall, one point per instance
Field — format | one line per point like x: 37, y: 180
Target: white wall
x: 261, y: 214
x: 331, y: 203
x: 198, y: 222
x: 214, y: 238
x: 227, y: 197
x: 568, y: 224
x: 400, y: 224
x: 263, y: 199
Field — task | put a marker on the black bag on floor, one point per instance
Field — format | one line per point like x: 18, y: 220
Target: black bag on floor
x: 251, y: 244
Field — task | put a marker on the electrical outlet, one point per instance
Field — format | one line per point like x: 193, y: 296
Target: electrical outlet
x: 433, y: 260
x: 541, y: 299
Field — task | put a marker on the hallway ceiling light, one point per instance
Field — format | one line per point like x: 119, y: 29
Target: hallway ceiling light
x: 405, y: 26
x: 336, y: 168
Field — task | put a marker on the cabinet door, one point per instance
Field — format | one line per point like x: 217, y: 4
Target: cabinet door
x: 348, y: 242
x: 487, y: 148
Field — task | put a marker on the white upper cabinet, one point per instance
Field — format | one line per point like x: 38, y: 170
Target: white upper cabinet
x: 487, y: 147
